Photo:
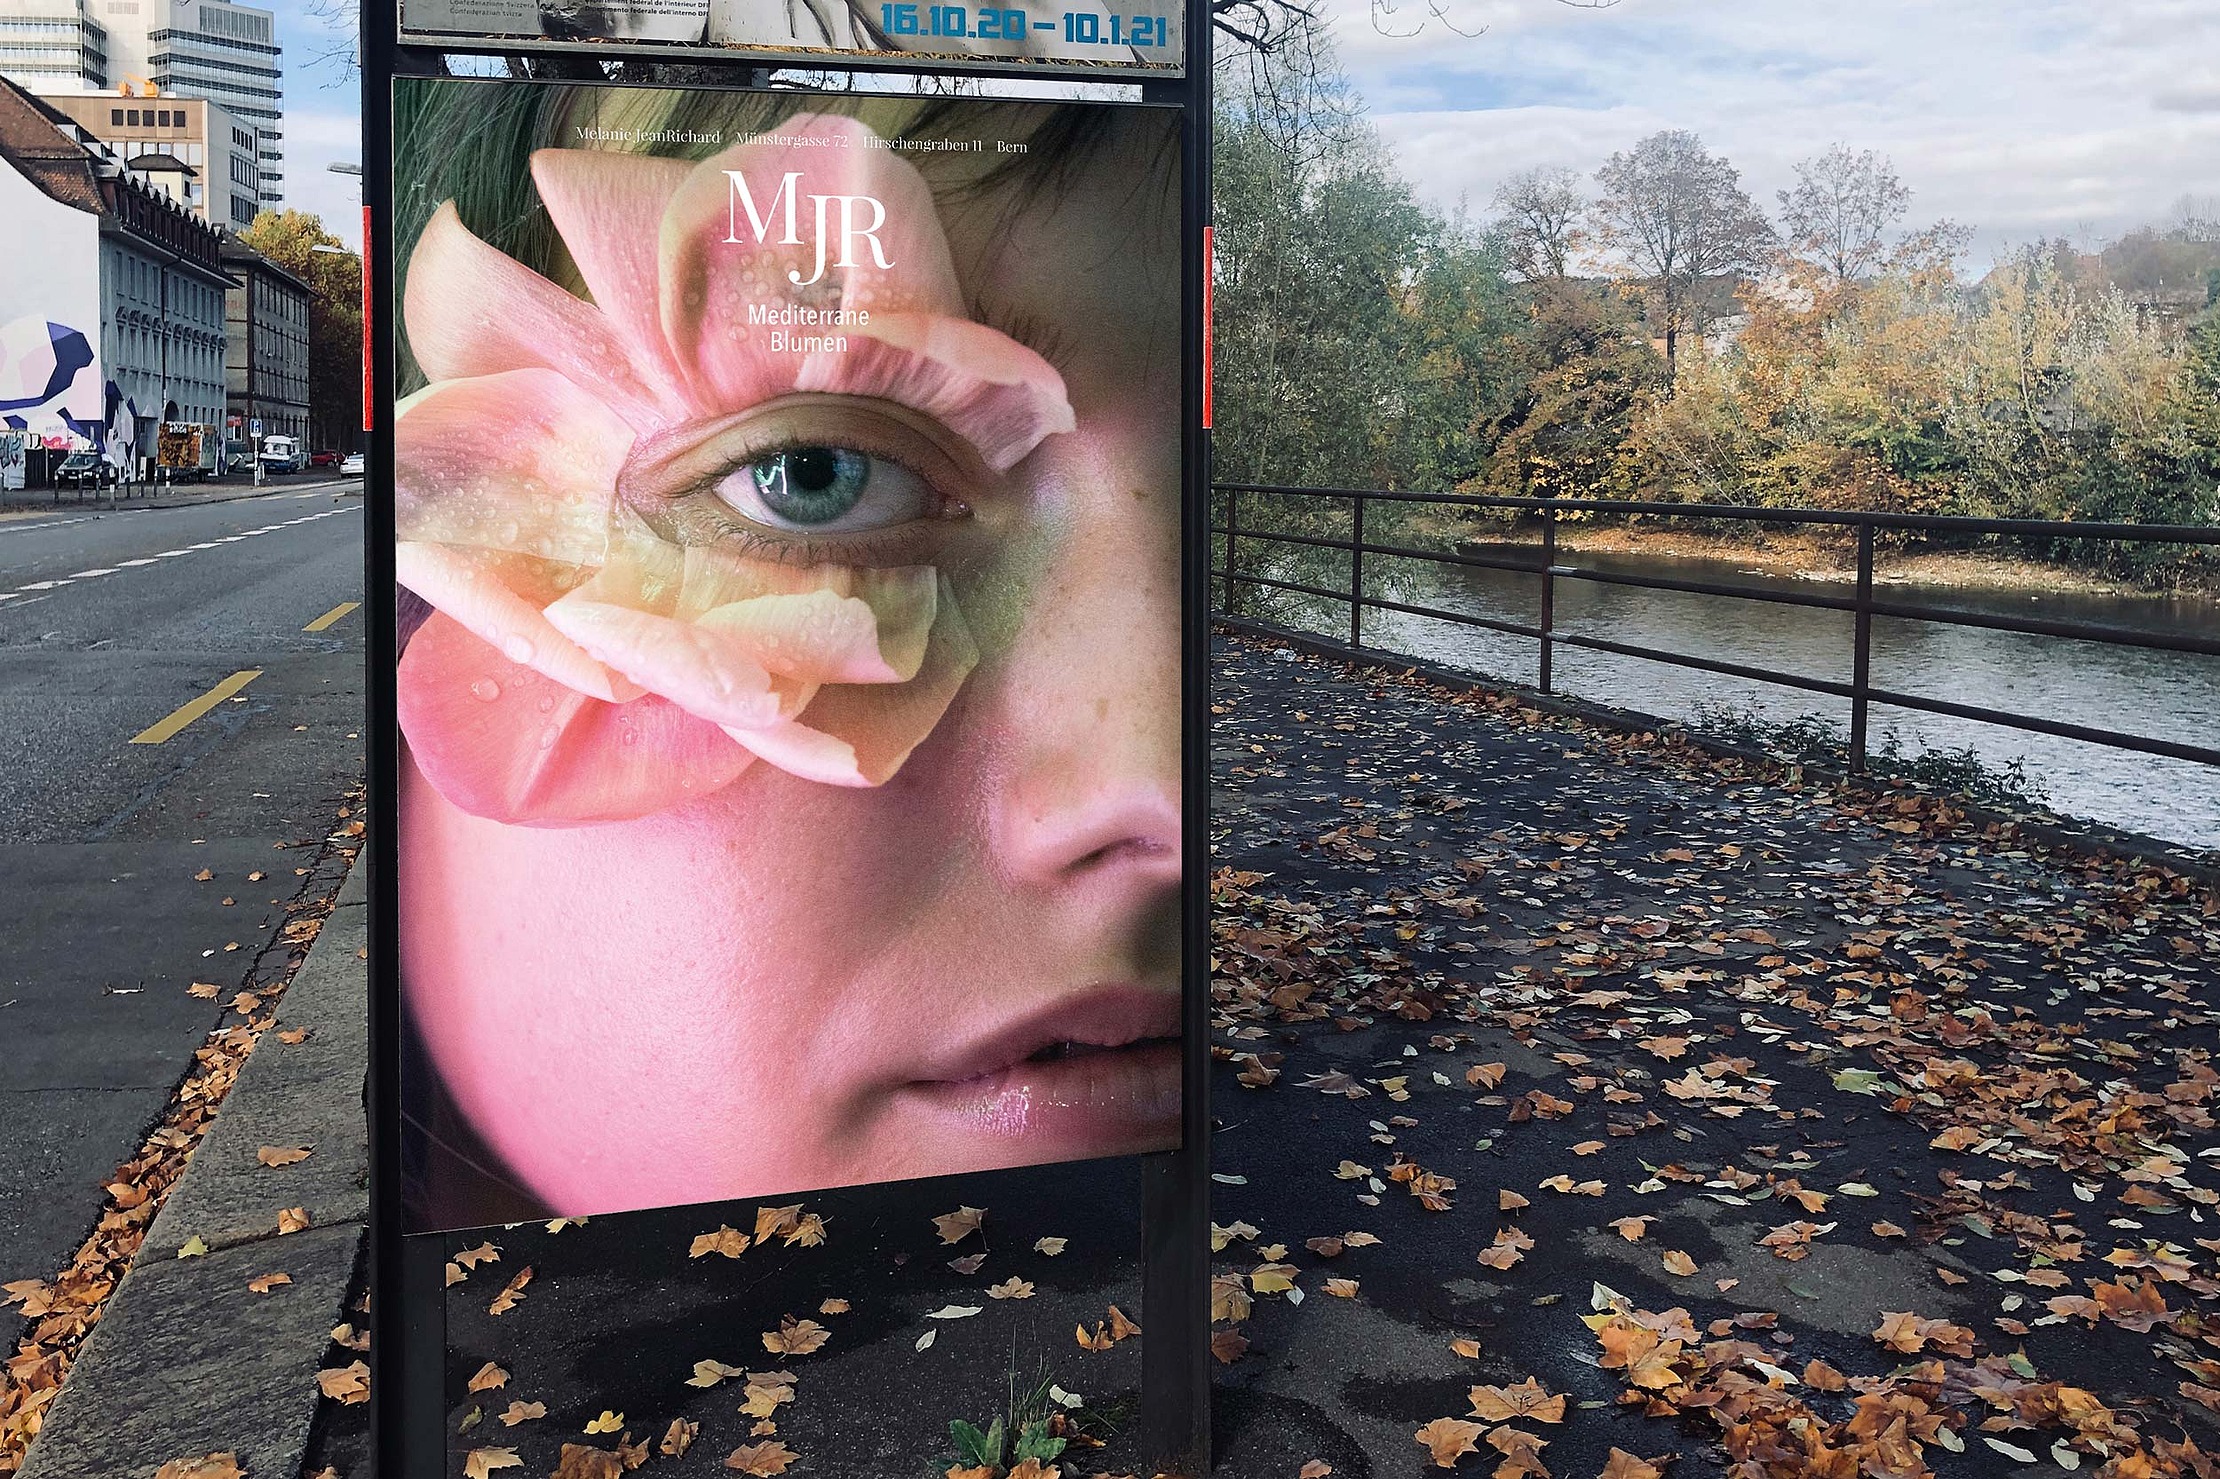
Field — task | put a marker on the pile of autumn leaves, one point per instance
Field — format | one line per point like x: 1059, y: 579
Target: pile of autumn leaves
x: 1880, y: 1426
x: 65, y: 1311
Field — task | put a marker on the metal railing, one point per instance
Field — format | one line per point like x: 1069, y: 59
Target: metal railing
x: 1862, y: 604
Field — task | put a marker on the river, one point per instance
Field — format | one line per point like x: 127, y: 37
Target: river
x: 2165, y: 695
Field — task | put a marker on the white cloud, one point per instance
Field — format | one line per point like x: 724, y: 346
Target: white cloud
x: 2022, y: 118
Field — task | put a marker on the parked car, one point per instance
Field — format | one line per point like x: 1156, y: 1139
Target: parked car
x: 325, y: 458
x: 352, y: 466
x: 83, y: 469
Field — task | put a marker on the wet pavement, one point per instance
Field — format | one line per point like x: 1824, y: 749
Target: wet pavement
x: 1576, y: 1092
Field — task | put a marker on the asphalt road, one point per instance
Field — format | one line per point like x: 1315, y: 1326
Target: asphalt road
x: 117, y: 788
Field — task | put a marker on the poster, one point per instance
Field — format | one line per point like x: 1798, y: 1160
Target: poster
x: 1112, y: 36
x: 787, y: 505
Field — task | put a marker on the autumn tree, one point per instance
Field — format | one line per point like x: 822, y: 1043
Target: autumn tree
x: 1839, y: 215
x: 1538, y: 217
x: 298, y: 242
x: 1677, y: 216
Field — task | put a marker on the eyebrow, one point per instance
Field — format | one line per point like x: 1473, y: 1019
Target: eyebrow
x: 1049, y: 338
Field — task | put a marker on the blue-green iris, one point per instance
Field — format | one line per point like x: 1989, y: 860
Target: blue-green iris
x: 811, y: 485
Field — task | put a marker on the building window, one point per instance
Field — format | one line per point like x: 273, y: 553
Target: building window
x: 115, y: 117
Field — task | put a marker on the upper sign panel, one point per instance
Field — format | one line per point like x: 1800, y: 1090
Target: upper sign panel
x: 1134, y: 36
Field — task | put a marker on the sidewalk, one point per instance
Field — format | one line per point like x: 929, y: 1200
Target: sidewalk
x: 67, y: 502
x: 1587, y: 1104
x: 189, y: 1358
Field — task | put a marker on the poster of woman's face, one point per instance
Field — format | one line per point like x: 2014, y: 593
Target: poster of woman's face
x: 786, y: 492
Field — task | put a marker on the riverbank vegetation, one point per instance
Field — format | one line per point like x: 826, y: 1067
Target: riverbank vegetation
x: 1640, y: 327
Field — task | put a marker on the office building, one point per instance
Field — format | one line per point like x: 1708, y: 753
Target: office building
x: 52, y: 44
x: 266, y: 347
x: 209, y: 50
x: 194, y: 149
x: 122, y: 264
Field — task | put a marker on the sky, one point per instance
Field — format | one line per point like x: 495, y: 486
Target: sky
x: 2022, y: 119
x: 323, y: 118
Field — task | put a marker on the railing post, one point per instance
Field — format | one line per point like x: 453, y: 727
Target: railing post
x: 1233, y: 522
x: 1356, y: 573
x: 1549, y: 591
x: 1861, y: 653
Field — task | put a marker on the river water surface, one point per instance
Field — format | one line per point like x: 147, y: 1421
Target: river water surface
x: 2164, y: 695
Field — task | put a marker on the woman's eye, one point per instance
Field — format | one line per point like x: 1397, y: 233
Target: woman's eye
x: 826, y: 490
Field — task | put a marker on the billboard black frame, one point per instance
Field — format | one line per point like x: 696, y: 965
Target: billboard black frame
x: 407, y: 1271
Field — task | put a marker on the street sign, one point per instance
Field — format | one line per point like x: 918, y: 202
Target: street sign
x: 748, y: 534
x: 254, y: 427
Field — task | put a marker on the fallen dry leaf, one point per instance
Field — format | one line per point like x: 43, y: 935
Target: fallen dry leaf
x: 480, y: 1463
x: 770, y: 1457
x: 679, y: 1438
x: 1677, y: 1262
x: 523, y: 1412
x: 487, y: 1378
x: 208, y: 1466
x: 347, y: 1385
x: 1449, y: 1439
x: 795, y: 1337
x: 955, y: 1226
x: 269, y: 1282
x: 608, y: 1422
x: 281, y: 1155
x: 1623, y: 1465
x: 292, y: 1220
x: 512, y: 1293
x: 728, y: 1241
x: 1528, y: 1399
x: 1010, y: 1288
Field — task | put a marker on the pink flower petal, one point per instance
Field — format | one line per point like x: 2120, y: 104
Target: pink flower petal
x: 714, y: 268
x: 692, y: 665
x: 860, y: 735
x: 875, y: 636
x: 472, y: 311
x: 476, y: 728
x: 607, y: 205
x: 480, y: 591
x: 523, y: 461
x: 981, y: 384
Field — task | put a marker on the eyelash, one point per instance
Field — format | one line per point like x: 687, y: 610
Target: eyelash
x: 790, y: 548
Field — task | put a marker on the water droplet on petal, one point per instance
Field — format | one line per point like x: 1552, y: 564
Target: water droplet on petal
x: 486, y: 689
x: 516, y: 648
x: 547, y: 703
x: 548, y: 736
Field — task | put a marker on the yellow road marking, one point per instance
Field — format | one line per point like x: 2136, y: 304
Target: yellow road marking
x: 331, y: 616
x: 169, y: 728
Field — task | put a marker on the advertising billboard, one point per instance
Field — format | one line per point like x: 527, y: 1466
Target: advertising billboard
x: 1107, y: 36
x: 787, y: 498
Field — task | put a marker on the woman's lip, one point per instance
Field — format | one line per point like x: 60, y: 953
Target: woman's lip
x: 1121, y: 1098
x: 1120, y: 1101
x: 1105, y: 1017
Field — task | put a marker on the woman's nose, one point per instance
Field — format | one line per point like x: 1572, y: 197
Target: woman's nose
x: 1092, y: 713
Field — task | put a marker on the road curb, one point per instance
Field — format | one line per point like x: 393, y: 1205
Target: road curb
x: 143, y: 505
x: 188, y: 1360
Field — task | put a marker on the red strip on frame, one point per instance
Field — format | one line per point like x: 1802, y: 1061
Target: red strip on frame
x: 1210, y: 270
x: 369, y: 399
